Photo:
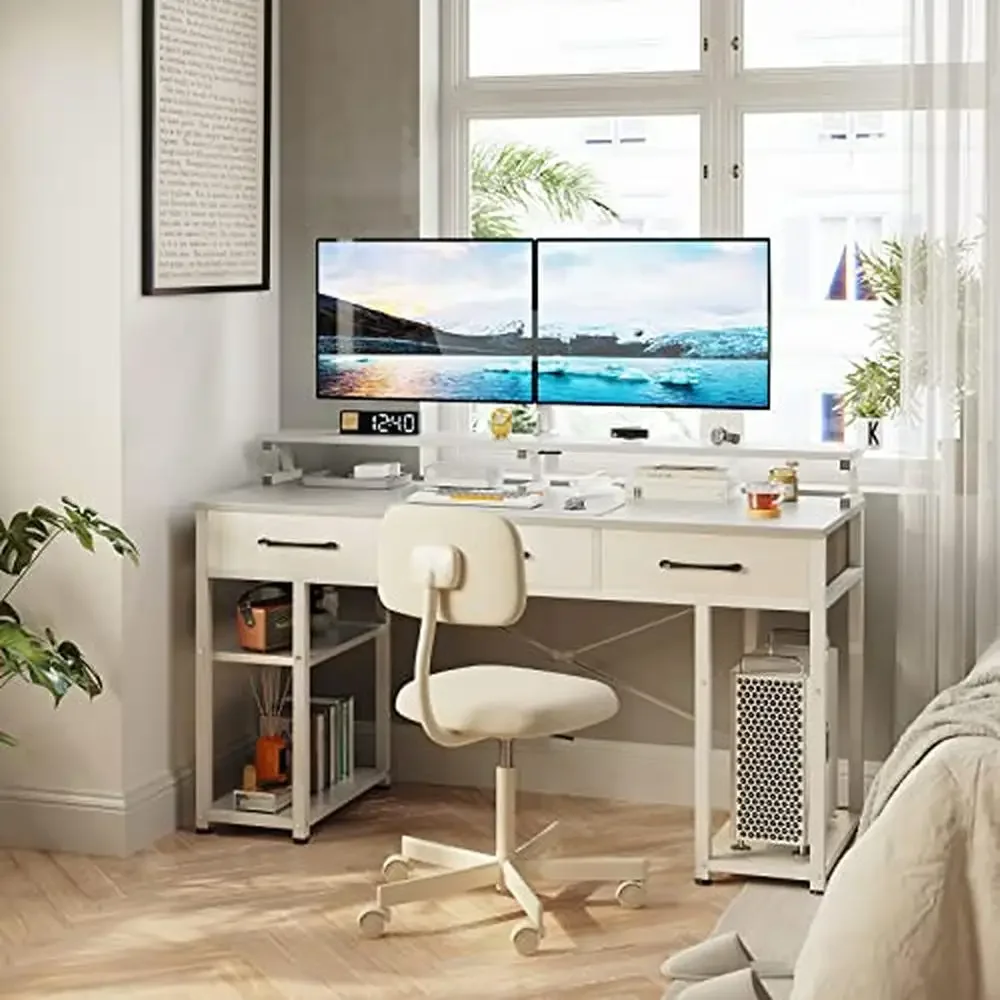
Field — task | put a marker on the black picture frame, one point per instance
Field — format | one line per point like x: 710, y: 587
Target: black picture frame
x: 153, y: 282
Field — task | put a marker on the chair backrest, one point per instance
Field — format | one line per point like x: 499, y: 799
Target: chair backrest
x: 454, y: 565
x: 489, y: 587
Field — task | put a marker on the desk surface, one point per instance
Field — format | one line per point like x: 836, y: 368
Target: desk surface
x: 811, y: 516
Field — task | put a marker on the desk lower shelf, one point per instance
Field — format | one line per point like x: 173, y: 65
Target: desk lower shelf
x: 339, y: 638
x: 779, y: 862
x: 321, y: 804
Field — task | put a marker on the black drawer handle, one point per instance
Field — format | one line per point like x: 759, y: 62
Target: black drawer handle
x: 275, y: 543
x: 712, y: 567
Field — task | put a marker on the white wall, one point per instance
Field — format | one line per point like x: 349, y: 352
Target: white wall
x: 60, y: 360
x: 199, y: 383
x: 138, y: 406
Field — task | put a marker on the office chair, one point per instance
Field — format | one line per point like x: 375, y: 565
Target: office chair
x: 466, y: 567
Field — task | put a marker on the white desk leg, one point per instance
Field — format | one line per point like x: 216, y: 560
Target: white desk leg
x: 856, y: 671
x: 204, y: 751
x: 702, y: 742
x: 383, y: 699
x: 816, y: 740
x: 751, y: 629
x: 301, y: 735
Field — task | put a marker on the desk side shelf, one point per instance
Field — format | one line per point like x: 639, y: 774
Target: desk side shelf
x: 321, y: 804
x: 334, y: 642
x: 216, y: 643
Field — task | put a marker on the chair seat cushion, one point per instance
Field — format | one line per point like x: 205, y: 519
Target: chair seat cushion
x: 502, y: 702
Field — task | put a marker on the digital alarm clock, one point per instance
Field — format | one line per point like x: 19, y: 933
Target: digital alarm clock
x: 389, y: 423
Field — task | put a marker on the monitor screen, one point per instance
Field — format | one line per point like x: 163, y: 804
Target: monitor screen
x: 654, y: 322
x: 428, y: 320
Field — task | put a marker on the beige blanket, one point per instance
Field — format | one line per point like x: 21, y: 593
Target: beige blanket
x: 969, y: 708
x: 913, y: 910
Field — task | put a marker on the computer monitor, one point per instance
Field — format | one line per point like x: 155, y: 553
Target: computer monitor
x: 654, y: 322
x: 425, y: 320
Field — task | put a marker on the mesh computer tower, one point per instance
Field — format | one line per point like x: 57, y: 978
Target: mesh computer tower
x: 770, y: 793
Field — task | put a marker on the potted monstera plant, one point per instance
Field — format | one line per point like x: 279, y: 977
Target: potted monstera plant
x: 38, y: 656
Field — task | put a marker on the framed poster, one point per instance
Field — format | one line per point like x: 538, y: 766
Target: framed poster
x: 206, y: 146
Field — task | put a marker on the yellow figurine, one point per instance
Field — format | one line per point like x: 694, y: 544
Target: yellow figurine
x: 501, y: 423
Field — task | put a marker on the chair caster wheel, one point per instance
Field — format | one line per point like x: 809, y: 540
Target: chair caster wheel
x: 372, y: 922
x: 525, y: 938
x: 203, y: 830
x: 702, y: 881
x: 301, y: 841
x: 631, y: 895
x: 395, y: 868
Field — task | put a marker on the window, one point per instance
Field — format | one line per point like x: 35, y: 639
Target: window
x: 535, y: 37
x: 719, y: 117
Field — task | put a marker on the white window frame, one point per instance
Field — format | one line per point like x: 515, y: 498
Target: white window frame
x: 721, y: 92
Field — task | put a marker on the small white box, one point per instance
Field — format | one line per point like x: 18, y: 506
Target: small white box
x: 377, y: 470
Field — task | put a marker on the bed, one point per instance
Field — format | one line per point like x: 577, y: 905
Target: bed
x: 913, y: 910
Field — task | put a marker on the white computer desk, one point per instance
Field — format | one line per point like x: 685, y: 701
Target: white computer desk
x: 706, y: 556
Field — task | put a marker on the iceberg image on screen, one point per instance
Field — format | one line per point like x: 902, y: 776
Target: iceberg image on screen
x: 434, y: 320
x: 682, y: 323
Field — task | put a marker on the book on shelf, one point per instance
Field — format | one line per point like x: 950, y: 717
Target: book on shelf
x: 263, y: 800
x: 319, y: 742
x: 342, y: 726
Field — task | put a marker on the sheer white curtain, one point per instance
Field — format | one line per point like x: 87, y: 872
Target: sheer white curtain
x: 946, y: 327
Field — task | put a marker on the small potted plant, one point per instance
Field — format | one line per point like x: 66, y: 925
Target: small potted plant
x: 895, y: 272
x: 37, y: 656
x: 872, y: 396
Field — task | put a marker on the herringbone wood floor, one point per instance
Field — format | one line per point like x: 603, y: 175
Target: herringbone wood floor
x: 232, y: 915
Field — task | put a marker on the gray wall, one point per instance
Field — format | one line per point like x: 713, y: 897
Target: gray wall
x: 350, y: 112
x: 350, y: 167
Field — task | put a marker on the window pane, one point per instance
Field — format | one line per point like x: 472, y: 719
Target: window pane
x: 794, y: 33
x: 550, y: 176
x: 821, y: 196
x: 645, y: 170
x: 527, y: 37
x: 848, y: 32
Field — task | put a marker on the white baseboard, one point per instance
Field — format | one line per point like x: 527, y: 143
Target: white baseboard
x: 104, y: 823
x: 118, y: 825
x: 59, y: 820
x: 607, y: 769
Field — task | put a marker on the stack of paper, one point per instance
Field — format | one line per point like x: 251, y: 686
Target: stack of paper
x: 691, y: 483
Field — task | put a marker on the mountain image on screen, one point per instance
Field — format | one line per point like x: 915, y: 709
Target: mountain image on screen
x: 424, y: 320
x: 654, y: 323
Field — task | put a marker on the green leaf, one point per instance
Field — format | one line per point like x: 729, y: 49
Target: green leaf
x: 901, y: 275
x: 23, y: 536
x: 508, y: 179
x: 43, y: 660
x: 86, y: 525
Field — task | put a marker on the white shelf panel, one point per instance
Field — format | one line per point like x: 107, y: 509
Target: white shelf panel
x: 321, y: 804
x: 336, y: 796
x: 530, y: 443
x: 779, y: 862
x: 336, y: 640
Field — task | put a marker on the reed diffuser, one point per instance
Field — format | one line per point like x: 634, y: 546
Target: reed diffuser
x: 270, y: 689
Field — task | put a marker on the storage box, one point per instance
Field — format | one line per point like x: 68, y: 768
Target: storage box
x: 264, y: 624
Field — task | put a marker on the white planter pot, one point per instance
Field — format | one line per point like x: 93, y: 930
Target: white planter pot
x: 870, y: 434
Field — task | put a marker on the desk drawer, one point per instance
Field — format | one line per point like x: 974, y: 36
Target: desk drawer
x: 314, y: 548
x: 558, y: 559
x: 726, y: 570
